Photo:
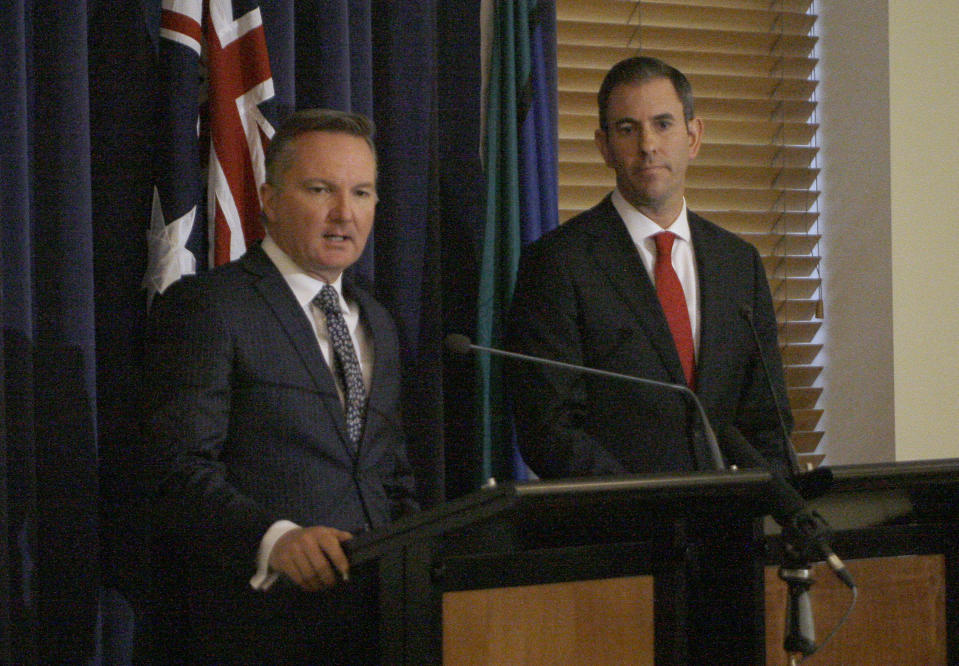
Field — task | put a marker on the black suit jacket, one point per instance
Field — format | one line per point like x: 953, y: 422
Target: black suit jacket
x: 245, y: 427
x: 583, y: 296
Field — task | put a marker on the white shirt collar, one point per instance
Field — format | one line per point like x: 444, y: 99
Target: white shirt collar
x: 305, y: 287
x: 642, y: 228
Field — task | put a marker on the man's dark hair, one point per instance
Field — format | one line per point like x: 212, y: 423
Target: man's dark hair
x: 640, y: 69
x: 279, y: 155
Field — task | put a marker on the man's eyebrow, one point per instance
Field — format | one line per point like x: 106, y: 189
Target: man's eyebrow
x: 666, y: 115
x: 310, y: 182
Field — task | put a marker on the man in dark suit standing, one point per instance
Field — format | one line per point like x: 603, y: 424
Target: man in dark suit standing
x: 273, y: 420
x: 641, y: 286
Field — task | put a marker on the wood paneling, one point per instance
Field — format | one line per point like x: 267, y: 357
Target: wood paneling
x: 899, y: 618
x: 593, y: 622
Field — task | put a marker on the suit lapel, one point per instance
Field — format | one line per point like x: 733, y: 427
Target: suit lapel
x: 714, y: 302
x: 270, y: 284
x: 616, y: 256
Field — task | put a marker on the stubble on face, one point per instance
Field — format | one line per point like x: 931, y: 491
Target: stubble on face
x: 649, y: 145
x: 321, y: 213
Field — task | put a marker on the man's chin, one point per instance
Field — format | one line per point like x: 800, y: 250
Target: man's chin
x: 331, y: 265
x: 644, y: 198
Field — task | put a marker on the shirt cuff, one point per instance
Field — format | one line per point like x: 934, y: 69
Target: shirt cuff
x: 264, y: 576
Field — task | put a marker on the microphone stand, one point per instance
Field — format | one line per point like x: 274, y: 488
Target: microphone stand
x: 462, y: 345
x: 800, y: 636
x: 795, y: 571
x: 805, y: 539
x: 801, y: 535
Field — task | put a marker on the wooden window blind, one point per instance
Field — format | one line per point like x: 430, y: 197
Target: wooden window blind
x: 752, y: 67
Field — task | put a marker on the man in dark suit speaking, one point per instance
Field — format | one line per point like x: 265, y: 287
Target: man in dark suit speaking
x: 273, y: 419
x: 641, y: 286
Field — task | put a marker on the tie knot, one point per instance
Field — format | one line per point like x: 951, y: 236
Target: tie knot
x: 664, y: 243
x: 328, y: 299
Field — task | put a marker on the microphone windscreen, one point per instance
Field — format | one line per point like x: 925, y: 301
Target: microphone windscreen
x: 458, y: 343
x: 815, y: 483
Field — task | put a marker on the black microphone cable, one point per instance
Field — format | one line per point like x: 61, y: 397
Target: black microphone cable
x: 746, y: 312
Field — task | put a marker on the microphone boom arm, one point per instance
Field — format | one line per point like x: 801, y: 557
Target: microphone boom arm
x: 462, y: 345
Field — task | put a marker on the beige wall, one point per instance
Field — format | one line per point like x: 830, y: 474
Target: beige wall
x: 924, y: 114
x: 856, y: 247
x: 890, y: 210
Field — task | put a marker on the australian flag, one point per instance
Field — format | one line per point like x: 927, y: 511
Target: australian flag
x: 214, y: 110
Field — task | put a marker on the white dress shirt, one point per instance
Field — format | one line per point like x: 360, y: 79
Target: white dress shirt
x: 642, y: 229
x: 305, y: 288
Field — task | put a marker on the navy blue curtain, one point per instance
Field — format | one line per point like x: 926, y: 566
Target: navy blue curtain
x: 77, y: 124
x: 49, y: 444
x: 460, y: 193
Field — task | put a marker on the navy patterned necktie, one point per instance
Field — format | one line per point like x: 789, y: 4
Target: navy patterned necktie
x: 346, y: 362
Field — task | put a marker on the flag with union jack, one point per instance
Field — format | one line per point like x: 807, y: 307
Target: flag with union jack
x: 215, y: 99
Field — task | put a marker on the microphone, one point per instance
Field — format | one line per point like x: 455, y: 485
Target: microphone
x: 805, y: 536
x: 810, y: 484
x: 746, y: 312
x: 805, y: 533
x: 461, y: 344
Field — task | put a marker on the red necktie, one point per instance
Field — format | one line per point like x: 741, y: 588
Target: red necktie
x: 671, y: 297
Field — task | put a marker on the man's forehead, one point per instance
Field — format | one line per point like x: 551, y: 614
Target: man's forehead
x: 329, y: 138
x: 658, y: 91
x: 332, y: 149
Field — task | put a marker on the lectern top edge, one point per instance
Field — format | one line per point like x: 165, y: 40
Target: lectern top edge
x: 679, y: 483
x: 650, y: 490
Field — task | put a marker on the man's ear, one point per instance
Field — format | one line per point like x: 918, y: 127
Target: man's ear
x: 694, y: 128
x: 267, y: 192
x: 600, y: 139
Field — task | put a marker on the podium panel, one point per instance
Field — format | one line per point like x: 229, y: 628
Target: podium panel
x: 900, y: 617
x: 596, y: 622
x: 896, y: 527
x: 666, y: 569
x: 640, y: 569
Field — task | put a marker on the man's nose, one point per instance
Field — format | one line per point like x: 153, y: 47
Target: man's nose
x: 342, y: 207
x: 647, y: 140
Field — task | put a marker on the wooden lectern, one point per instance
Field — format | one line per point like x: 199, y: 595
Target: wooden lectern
x: 665, y: 568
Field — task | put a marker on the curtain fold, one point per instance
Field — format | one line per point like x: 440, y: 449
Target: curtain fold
x: 123, y: 82
x: 407, y: 251
x: 460, y: 190
x: 50, y: 544
x: 17, y: 474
